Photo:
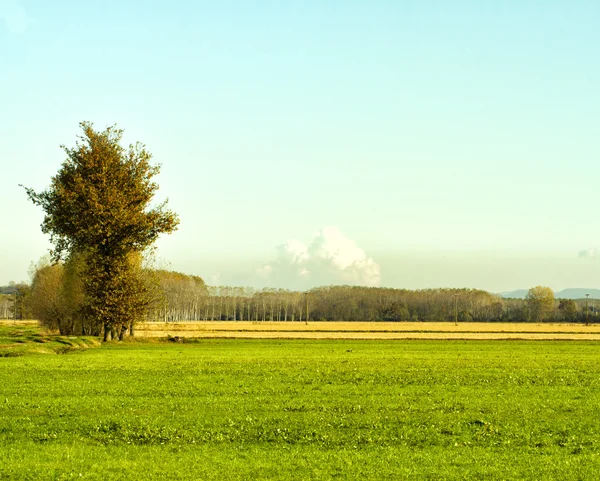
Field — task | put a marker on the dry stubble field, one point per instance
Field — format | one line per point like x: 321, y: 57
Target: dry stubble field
x: 370, y: 330
x: 363, y: 330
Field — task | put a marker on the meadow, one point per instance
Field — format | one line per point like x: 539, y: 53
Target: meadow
x: 26, y: 337
x: 303, y: 409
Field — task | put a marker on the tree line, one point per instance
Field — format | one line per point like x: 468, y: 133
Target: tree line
x: 13, y: 301
x: 183, y: 298
x: 56, y: 298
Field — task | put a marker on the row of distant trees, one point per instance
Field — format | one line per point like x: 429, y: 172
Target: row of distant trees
x: 13, y: 304
x: 55, y: 297
x: 179, y: 297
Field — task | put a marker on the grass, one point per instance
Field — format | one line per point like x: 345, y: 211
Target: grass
x: 304, y: 409
x: 24, y: 338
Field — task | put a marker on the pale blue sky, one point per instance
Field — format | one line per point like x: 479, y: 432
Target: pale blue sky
x: 456, y: 142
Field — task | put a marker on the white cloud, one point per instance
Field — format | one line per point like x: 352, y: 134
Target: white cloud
x: 591, y: 253
x: 330, y: 258
x: 14, y: 15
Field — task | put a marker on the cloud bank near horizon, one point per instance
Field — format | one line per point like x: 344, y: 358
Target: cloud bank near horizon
x: 591, y: 253
x: 330, y: 258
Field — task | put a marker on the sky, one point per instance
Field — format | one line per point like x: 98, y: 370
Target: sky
x: 397, y: 143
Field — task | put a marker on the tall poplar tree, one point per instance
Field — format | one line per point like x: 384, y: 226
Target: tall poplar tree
x: 98, y: 207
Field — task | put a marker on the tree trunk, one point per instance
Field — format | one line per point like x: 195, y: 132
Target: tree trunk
x: 107, y: 333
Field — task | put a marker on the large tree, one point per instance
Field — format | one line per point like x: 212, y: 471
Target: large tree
x: 540, y: 302
x: 98, y: 207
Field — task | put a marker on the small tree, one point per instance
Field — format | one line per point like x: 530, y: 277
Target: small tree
x: 18, y: 305
x: 540, y: 302
x: 568, y: 308
x: 97, y: 208
x: 46, y: 299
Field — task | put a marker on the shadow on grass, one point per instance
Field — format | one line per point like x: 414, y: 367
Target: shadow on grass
x: 18, y: 340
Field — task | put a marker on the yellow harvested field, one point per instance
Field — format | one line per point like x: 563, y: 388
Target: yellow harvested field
x: 361, y: 330
x: 370, y: 330
x: 9, y: 322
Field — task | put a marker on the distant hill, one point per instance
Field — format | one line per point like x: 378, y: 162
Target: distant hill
x: 577, y: 293
x: 570, y: 293
x: 518, y: 294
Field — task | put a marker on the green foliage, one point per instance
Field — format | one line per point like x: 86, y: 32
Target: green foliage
x: 304, y: 410
x: 116, y: 293
x: 568, y: 308
x: 98, y: 209
x: 396, y: 311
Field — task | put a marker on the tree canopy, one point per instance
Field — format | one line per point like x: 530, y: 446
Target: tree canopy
x: 540, y: 301
x: 98, y: 207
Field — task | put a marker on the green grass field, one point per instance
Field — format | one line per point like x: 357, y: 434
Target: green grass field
x: 304, y: 409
